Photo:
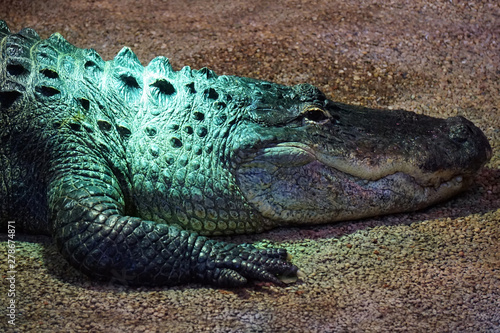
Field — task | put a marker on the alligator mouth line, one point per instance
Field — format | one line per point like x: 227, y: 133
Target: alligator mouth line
x: 301, y: 154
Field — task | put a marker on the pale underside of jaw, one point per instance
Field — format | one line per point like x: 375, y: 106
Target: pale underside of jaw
x: 343, y: 191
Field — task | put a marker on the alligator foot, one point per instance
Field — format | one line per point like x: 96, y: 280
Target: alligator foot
x: 233, y: 265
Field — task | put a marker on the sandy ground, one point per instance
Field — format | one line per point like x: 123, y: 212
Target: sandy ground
x: 436, y: 270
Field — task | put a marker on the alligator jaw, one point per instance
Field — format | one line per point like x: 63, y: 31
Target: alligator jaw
x: 297, y: 153
x: 363, y: 169
x: 297, y: 186
x: 346, y: 168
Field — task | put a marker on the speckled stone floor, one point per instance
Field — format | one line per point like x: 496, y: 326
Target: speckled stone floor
x: 436, y: 270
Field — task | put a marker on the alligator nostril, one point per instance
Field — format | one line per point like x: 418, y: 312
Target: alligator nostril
x: 457, y: 137
x: 460, y: 132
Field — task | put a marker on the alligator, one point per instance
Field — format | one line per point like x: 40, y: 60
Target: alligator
x: 132, y: 168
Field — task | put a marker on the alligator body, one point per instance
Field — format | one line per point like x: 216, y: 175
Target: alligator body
x: 130, y: 168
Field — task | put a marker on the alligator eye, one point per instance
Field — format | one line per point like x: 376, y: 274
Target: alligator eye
x: 315, y: 114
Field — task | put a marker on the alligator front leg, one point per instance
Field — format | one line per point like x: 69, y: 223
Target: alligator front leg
x: 93, y: 234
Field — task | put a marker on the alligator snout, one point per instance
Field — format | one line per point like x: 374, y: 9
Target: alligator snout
x: 461, y: 149
x: 371, y: 144
x: 461, y: 129
x: 473, y: 142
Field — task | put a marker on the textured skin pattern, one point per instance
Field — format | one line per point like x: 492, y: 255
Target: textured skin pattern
x: 130, y: 167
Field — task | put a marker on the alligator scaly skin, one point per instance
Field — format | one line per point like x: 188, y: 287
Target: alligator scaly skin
x: 129, y: 168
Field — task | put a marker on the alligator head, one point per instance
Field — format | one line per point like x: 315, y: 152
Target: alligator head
x: 302, y: 158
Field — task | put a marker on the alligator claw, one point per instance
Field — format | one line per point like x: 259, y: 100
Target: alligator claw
x: 235, y: 265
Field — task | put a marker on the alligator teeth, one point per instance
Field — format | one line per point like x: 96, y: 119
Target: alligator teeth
x: 456, y: 181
